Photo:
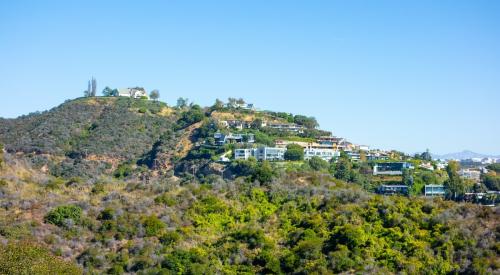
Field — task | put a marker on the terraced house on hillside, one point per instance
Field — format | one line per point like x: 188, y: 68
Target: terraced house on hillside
x: 262, y: 153
x: 390, y: 168
x: 325, y: 154
x: 136, y: 92
x: 221, y: 139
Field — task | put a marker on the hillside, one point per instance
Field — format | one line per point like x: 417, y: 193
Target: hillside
x: 131, y: 186
x: 86, y: 137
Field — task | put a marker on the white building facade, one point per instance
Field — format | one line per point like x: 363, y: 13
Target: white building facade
x: 243, y: 154
x: 470, y: 174
x: 262, y: 153
x: 325, y: 154
x: 132, y: 92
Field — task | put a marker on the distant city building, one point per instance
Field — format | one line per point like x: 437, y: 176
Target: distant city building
x: 132, y: 92
x: 441, y: 165
x: 488, y: 161
x: 470, y: 174
x: 431, y: 190
x: 325, y: 154
x: 390, y: 168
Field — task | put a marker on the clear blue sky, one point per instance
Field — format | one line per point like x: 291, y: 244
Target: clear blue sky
x: 406, y: 75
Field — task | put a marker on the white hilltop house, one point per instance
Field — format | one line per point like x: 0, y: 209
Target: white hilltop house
x: 323, y: 153
x: 132, y: 92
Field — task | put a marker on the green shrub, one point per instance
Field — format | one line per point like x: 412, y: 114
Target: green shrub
x: 1, y: 155
x: 166, y: 199
x: 193, y: 115
x: 153, y: 226
x: 253, y: 237
x: 264, y: 172
x: 55, y: 183
x: 3, y: 183
x: 116, y: 269
x: 97, y: 188
x: 124, y: 170
x: 263, y: 138
x: 74, y: 181
x: 26, y: 258
x: 169, y: 238
x: 186, y: 262
x: 318, y: 164
x: 294, y: 152
x: 107, y: 214
x: 58, y: 215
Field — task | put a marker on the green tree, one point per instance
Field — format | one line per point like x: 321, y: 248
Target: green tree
x: 490, y: 180
x: 218, y: 105
x: 294, y: 152
x: 318, y: 164
x: 107, y: 91
x: 407, y: 177
x: 154, y: 95
x: 343, y: 168
x: 426, y: 155
x: 88, y: 92
x: 193, y: 115
x: 264, y: 172
x: 256, y: 124
x: 263, y: 138
x: 182, y: 102
x: 455, y: 185
x: 308, y: 122
x: 231, y: 101
x: 93, y: 89
x: 495, y: 167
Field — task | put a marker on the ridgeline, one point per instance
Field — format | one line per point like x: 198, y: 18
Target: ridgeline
x: 119, y: 185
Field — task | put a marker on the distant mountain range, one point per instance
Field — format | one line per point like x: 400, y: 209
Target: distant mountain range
x: 466, y: 154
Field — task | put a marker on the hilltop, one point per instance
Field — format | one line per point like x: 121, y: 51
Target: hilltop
x: 93, y: 136
x: 120, y: 185
x: 87, y: 136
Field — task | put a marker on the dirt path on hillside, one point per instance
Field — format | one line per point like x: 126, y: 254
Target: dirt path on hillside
x: 185, y: 143
x: 163, y: 161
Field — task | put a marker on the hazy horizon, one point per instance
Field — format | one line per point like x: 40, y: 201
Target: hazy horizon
x: 392, y: 75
